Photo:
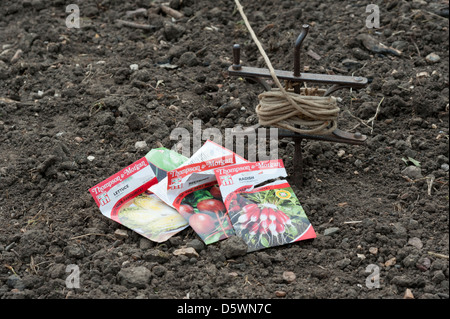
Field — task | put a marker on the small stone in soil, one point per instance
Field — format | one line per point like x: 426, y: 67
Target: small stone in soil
x: 423, y: 264
x: 15, y: 282
x: 289, y: 276
x: 156, y: 255
x: 390, y: 262
x: 186, y: 251
x: 121, y: 234
x: 233, y: 247
x: 412, y: 172
x: 280, y: 293
x: 197, y: 244
x: 134, y: 276
x: 416, y: 242
x: 408, y: 294
x: 330, y: 231
x: 433, y: 58
x: 140, y: 145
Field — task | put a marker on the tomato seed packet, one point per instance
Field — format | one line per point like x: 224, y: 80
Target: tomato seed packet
x: 124, y: 198
x: 261, y: 204
x: 193, y: 191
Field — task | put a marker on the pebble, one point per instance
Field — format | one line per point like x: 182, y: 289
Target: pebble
x: 121, y: 234
x: 74, y: 251
x: 423, y: 74
x: 400, y: 45
x: 330, y: 231
x: 197, y: 244
x: 288, y: 276
x: 407, y: 281
x: 408, y: 294
x: 341, y: 264
x: 410, y: 261
x: 140, y: 145
x: 186, y: 251
x: 145, y: 243
x: 233, y: 247
x: 433, y: 58
x: 280, y: 293
x: 156, y: 255
x: 134, y: 67
x: 423, y: 264
x: 373, y: 250
x: 173, y: 31
x: 132, y: 277
x: 188, y: 59
x: 159, y: 270
x: 416, y: 242
x: 358, y: 163
x: 412, y: 172
x: 340, y: 153
x: 445, y: 167
x: 90, y: 158
x: 438, y: 276
x: 78, y: 139
x: 390, y: 262
x: 350, y: 64
x: 15, y: 282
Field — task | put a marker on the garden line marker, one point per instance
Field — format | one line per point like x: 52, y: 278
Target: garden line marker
x: 323, y: 131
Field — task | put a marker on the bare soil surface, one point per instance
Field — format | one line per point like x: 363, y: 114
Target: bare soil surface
x: 67, y: 94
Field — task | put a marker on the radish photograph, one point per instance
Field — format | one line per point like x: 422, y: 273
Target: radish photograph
x: 269, y: 218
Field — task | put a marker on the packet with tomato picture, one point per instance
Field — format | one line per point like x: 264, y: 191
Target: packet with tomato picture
x: 262, y: 206
x: 193, y: 191
x: 124, y: 198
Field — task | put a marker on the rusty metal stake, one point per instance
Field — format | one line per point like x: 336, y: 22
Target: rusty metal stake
x: 298, y: 162
x: 295, y: 78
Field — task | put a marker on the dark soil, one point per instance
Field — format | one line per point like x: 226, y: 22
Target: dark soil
x: 71, y: 94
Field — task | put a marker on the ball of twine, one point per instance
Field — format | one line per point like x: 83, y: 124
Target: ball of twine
x: 286, y: 109
x: 307, y: 112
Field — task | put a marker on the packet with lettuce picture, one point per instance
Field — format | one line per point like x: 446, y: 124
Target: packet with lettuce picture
x: 124, y: 197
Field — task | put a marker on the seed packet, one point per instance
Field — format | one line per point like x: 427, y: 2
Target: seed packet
x: 124, y: 198
x: 193, y: 191
x: 261, y: 204
x: 163, y: 160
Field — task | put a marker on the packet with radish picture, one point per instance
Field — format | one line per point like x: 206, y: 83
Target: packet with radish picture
x: 193, y: 191
x: 262, y: 206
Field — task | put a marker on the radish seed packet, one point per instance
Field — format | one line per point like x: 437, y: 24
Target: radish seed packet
x: 262, y: 206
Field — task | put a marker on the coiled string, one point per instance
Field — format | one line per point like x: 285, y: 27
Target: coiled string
x: 283, y: 108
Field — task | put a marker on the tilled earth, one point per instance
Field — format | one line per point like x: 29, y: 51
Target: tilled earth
x: 67, y: 94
